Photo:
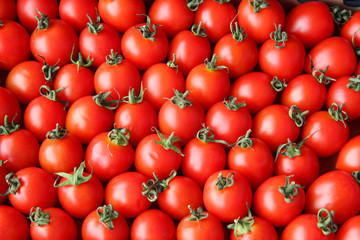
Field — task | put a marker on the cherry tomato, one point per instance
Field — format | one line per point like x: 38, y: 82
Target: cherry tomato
x: 13, y: 224
x: 349, y: 30
x: 349, y: 229
x: 347, y: 159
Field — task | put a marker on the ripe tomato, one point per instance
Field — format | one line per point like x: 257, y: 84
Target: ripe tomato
x: 106, y: 223
x: 227, y: 194
x: 258, y: 19
x: 109, y: 154
x: 311, y: 22
x: 154, y: 224
x: 16, y: 39
x: 52, y: 223
x: 10, y: 106
x: 349, y: 30
x: 8, y: 9
x: 336, y: 190
x: 347, y: 159
x: 13, y: 224
x: 350, y: 229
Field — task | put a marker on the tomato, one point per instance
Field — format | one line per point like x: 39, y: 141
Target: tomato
x: 124, y: 193
x: 79, y: 192
x: 90, y: 115
x: 335, y: 55
x: 154, y: 224
x: 97, y: 40
x: 350, y: 229
x: 191, y: 47
x: 60, y: 151
x: 258, y: 19
x: 229, y: 119
x: 216, y: 17
x: 329, y: 130
x: 117, y: 75
x: 10, y: 106
x: 137, y: 115
x: 173, y: 16
x: 160, y: 80
x: 13, y: 224
x: 237, y: 51
x: 203, y: 155
x: 311, y: 22
x: 8, y: 9
x: 227, y: 194
x: 130, y: 13
x: 16, y: 39
x: 345, y: 91
x: 75, y: 12
x: 52, y: 223
x: 252, y: 158
x: 282, y: 56
x: 19, y: 147
x: 199, y: 225
x: 26, y: 78
x: 158, y: 154
x: 109, y: 154
x: 180, y: 111
x: 276, y: 123
x: 336, y: 190
x: 43, y: 113
x: 347, y: 159
x: 104, y: 223
x: 144, y: 45
x: 27, y: 10
x: 349, y: 30
x: 3, y: 183
x: 310, y: 226
x: 306, y: 92
x: 255, y: 89
x: 53, y: 40
x: 31, y: 186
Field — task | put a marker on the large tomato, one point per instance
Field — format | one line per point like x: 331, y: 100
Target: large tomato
x: 13, y: 224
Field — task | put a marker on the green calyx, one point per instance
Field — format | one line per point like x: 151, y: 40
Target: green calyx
x: 50, y: 94
x: 113, y: 58
x: 238, y: 33
x: 80, y: 61
x: 258, y: 5
x: 207, y: 135
x: 244, y: 141
x: 337, y: 114
x: 354, y: 83
x: 211, y: 66
x: 180, y: 100
x: 58, y: 133
x: 49, y: 71
x: 356, y: 48
x: 193, y: 5
x: 74, y: 179
x: 131, y: 98
x: 101, y: 100
x: 320, y: 74
x: 356, y: 176
x: 95, y: 27
x: 145, y: 30
x: 224, y: 182
x: 242, y: 226
x: 43, y: 21
x: 233, y: 105
x: 14, y: 183
x: 172, y: 63
x: 197, y: 30
x: 290, y: 190
x: 298, y: 116
x: 9, y: 127
x: 197, y: 215
x: 340, y: 16
x: 153, y: 187
x: 280, y: 37
x: 326, y: 223
x: 222, y: 1
x: 278, y: 85
x: 168, y: 143
x: 119, y: 136
x: 106, y: 214
x: 39, y: 217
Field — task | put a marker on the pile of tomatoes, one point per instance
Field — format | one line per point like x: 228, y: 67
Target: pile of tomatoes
x: 179, y: 119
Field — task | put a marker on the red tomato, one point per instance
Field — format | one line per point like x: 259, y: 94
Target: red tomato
x: 52, y: 223
x: 10, y: 106
x: 252, y: 158
x: 130, y: 13
x: 350, y: 229
x: 109, y: 154
x: 27, y: 10
x: 349, y: 30
x: 199, y: 225
x: 124, y: 193
x: 154, y: 224
x: 144, y: 45
x: 3, y: 183
x: 336, y: 190
x: 60, y: 151
x: 227, y: 194
x: 216, y: 17
x: 104, y: 223
x: 13, y: 224
x: 207, y: 83
x: 335, y: 55
x: 180, y: 111
x: 347, y: 159
x: 258, y: 19
x: 16, y: 39
x: 79, y: 192
x: 311, y: 22
x: 229, y: 119
x: 191, y: 47
x: 8, y: 9
x: 75, y: 12
x: 173, y: 16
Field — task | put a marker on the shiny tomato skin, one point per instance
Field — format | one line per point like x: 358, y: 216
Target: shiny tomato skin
x: 261, y: 229
x: 349, y: 229
x: 347, y: 159
x: 350, y: 29
x: 13, y: 224
x: 10, y: 106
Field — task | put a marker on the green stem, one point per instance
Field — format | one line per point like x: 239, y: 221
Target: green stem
x: 39, y: 217
x: 278, y: 85
x: 168, y: 143
x: 145, y: 30
x: 95, y: 27
x: 153, y: 187
x: 340, y: 16
x: 131, y: 98
x: 80, y: 61
x: 244, y: 141
x: 337, y: 114
x: 9, y: 127
x: 180, y: 100
x: 356, y: 176
x: 207, y: 135
x: 197, y: 215
x: 102, y: 100
x: 224, y: 182
x: 280, y: 37
x: 14, y: 183
x: 197, y: 30
x: 242, y: 226
x: 354, y: 83
x: 258, y: 5
x: 211, y: 66
x: 43, y: 21
x: 298, y: 116
x: 326, y: 223
x: 106, y: 214
x: 50, y: 94
x: 193, y: 5
x: 233, y: 105
x: 290, y: 190
x: 320, y: 74
x: 172, y: 64
x: 49, y: 71
x: 113, y: 58
x: 74, y: 179
x: 58, y: 133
